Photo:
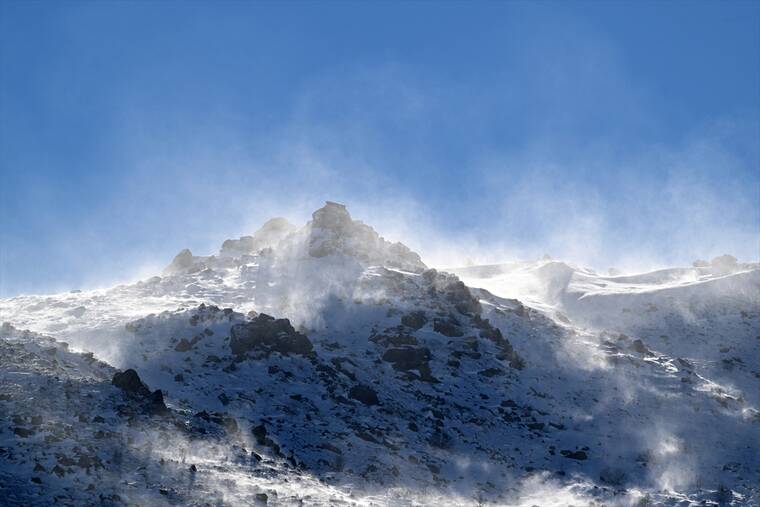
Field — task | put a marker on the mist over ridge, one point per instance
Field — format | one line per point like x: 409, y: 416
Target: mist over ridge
x: 380, y: 254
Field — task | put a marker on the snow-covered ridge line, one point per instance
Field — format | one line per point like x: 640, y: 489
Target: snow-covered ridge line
x: 331, y: 231
x: 325, y: 365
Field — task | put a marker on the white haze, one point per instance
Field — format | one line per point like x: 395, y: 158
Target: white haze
x: 594, y: 203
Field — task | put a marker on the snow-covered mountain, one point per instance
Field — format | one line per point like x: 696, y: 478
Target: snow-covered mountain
x: 324, y: 365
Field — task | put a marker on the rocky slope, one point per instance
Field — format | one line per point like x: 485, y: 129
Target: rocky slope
x: 326, y: 365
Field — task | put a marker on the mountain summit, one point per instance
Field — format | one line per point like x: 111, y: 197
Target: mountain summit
x: 325, y: 365
x: 331, y: 232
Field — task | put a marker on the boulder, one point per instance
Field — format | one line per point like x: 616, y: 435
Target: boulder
x: 267, y: 334
x: 152, y: 403
x: 155, y: 404
x: 129, y: 381
x: 260, y: 433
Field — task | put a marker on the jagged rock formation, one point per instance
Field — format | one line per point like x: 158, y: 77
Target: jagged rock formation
x: 267, y: 334
x: 268, y: 236
x: 375, y: 373
x: 332, y: 231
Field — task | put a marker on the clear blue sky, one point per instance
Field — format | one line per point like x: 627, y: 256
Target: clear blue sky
x: 603, y: 132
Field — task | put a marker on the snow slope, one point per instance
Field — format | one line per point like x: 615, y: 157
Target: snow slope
x: 389, y: 384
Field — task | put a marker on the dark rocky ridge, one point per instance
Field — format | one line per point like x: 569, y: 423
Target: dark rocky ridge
x: 267, y: 334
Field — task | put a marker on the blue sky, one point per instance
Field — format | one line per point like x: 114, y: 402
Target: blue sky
x: 606, y: 133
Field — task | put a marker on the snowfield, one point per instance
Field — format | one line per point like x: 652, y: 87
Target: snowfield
x: 324, y: 365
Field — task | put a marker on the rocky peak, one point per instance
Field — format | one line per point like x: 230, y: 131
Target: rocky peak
x: 271, y: 233
x: 333, y: 231
x: 183, y: 262
x: 333, y: 216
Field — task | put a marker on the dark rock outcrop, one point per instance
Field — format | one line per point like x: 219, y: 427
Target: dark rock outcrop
x: 333, y: 231
x: 364, y: 394
x: 576, y: 455
x: 407, y: 358
x: 453, y: 290
x: 129, y: 381
x: 259, y: 433
x: 395, y: 337
x: 414, y: 320
x: 638, y: 346
x: 448, y: 327
x: 267, y: 334
x: 410, y: 358
x: 506, y: 351
x: 152, y: 403
x: 155, y: 403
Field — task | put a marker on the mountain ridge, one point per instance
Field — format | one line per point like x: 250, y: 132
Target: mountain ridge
x: 330, y: 366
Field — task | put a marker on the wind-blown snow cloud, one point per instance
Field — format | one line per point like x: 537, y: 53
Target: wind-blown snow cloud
x: 557, y: 146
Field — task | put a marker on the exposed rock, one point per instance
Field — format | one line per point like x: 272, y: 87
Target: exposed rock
x: 269, y: 335
x: 332, y: 231
x: 129, y: 381
x: 364, y: 394
x: 507, y: 352
x: 414, y: 320
x: 638, y: 346
x: 453, y: 290
x: 152, y: 402
x: 259, y: 433
x: 183, y: 346
x: 271, y: 233
x: 407, y: 358
x: 23, y: 432
x: 183, y: 262
x: 155, y: 403
x: 394, y: 337
x: 576, y: 455
x: 448, y: 327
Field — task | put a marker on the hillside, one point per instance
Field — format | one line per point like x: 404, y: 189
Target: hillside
x: 325, y: 365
